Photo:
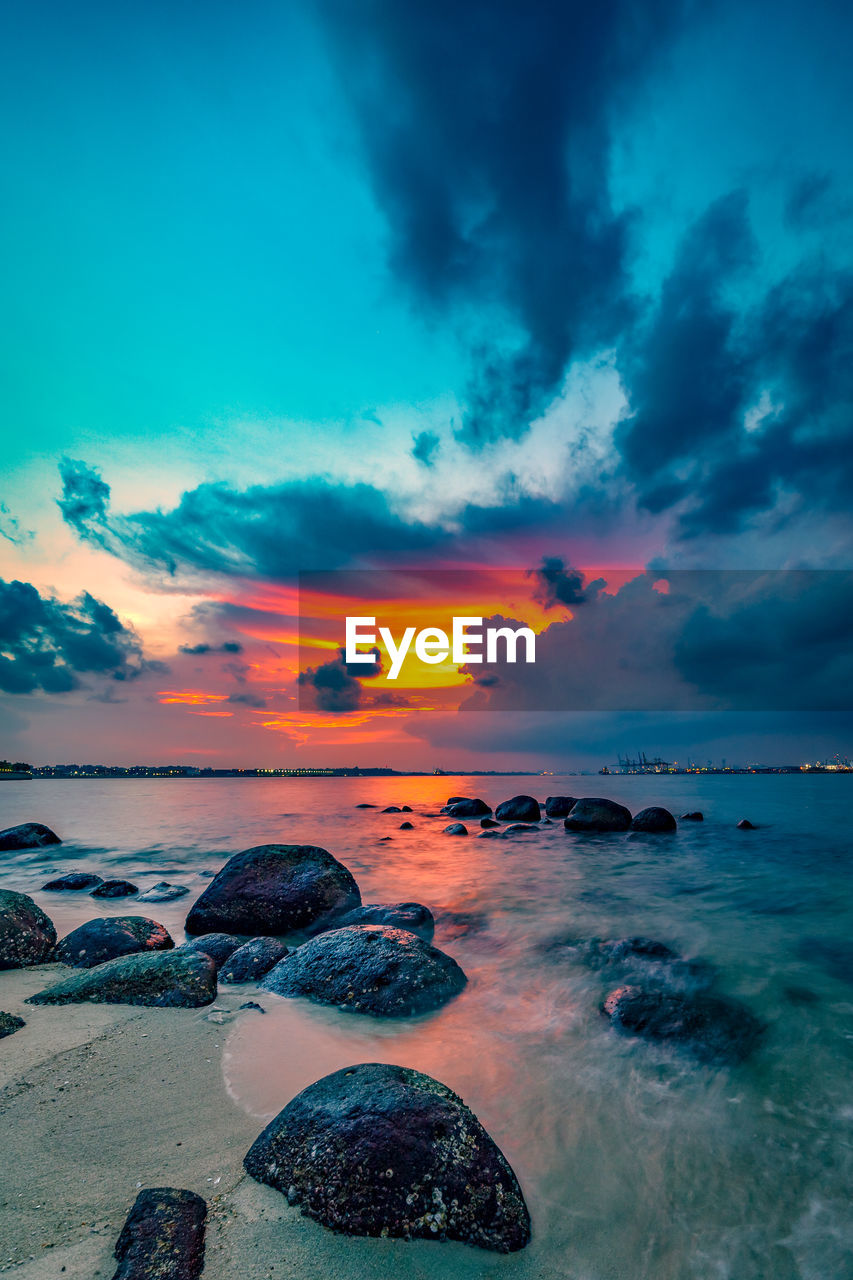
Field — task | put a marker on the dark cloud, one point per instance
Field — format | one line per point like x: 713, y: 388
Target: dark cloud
x: 329, y: 687
x: 741, y: 399
x: 486, y: 128
x: 558, y: 584
x: 228, y: 646
x: 48, y: 645
x: 689, y: 641
x: 425, y: 447
x: 273, y: 531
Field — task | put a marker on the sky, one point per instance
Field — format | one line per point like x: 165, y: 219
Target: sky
x: 538, y: 295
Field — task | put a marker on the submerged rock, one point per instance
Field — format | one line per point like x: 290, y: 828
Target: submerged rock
x: 695, y: 816
x: 73, y: 882
x: 365, y: 804
x: 456, y: 829
x: 369, y: 969
x: 592, y: 813
x: 488, y: 822
x: 746, y: 825
x: 466, y: 808
x: 406, y: 808
x: 559, y: 806
x: 27, y: 935
x: 407, y: 826
x: 712, y: 1029
x: 655, y: 818
x: 163, y: 1236
x: 273, y: 889
x: 182, y: 978
x: 162, y: 891
x: 9, y: 1024
x: 413, y: 916
x: 519, y: 827
x: 518, y: 809
x: 28, y: 835
x: 253, y: 1004
x: 392, y: 808
x: 219, y: 946
x: 252, y: 960
x: 380, y: 1150
x: 109, y: 936
x: 114, y: 889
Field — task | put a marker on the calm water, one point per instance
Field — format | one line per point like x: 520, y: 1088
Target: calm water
x: 635, y: 1161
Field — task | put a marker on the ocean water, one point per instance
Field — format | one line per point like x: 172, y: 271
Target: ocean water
x: 636, y: 1161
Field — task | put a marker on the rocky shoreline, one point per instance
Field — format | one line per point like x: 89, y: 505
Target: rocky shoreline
x: 289, y: 920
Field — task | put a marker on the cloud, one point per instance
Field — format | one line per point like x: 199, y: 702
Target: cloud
x: 227, y: 646
x: 425, y: 446
x: 487, y: 129
x: 557, y: 584
x: 12, y: 530
x: 272, y: 531
x: 47, y: 645
x: 741, y: 394
x: 253, y: 700
x: 329, y: 687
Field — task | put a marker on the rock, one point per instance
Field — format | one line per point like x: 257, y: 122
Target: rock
x: 253, y: 1004
x: 380, y: 1150
x: 630, y: 948
x: 595, y: 814
x: 162, y: 891
x: 109, y: 936
x: 369, y: 969
x: 163, y: 1237
x: 252, y: 960
x: 273, y: 889
x: 489, y: 822
x: 746, y: 825
x: 114, y: 889
x: 413, y: 916
x: 407, y: 826
x: 695, y: 816
x: 518, y: 827
x: 28, y: 835
x: 73, y: 882
x: 468, y: 809
x: 456, y: 829
x: 182, y: 978
x: 518, y: 809
x: 27, y: 935
x: 219, y: 946
x: 655, y: 818
x: 406, y: 808
x: 559, y: 806
x: 457, y: 800
x: 712, y: 1029
x: 392, y: 808
x: 9, y: 1024
x: 366, y: 805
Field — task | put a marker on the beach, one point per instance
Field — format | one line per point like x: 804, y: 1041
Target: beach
x: 634, y: 1159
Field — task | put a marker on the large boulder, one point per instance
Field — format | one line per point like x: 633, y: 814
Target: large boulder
x: 655, y: 818
x: 272, y: 889
x: 182, y: 978
x: 466, y: 808
x: 559, y: 806
x: 714, y: 1030
x: 73, y: 882
x: 413, y: 916
x: 252, y: 960
x: 595, y: 814
x: 369, y: 968
x: 109, y: 936
x: 163, y: 1236
x: 28, y: 835
x: 518, y: 809
x: 380, y: 1150
x: 27, y: 936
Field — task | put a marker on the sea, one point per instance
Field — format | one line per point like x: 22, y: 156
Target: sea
x: 637, y: 1161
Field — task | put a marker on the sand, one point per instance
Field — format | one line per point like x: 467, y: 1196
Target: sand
x: 98, y: 1101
